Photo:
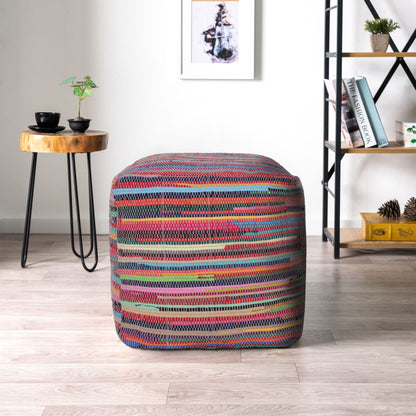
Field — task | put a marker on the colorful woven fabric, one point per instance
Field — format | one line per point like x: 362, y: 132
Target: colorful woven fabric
x: 207, y: 251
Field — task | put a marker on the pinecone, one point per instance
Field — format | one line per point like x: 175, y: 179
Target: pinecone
x: 390, y: 210
x: 410, y: 209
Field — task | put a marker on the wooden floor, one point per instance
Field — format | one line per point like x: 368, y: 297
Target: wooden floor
x: 59, y: 353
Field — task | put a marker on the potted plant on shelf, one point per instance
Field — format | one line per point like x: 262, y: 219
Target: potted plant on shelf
x: 82, y: 90
x: 380, y: 33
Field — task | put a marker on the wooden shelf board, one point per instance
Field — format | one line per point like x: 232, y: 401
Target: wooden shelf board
x: 379, y: 55
x: 392, y: 148
x: 352, y: 238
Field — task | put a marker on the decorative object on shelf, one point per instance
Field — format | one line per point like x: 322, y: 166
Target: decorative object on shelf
x: 380, y: 33
x: 374, y: 228
x: 217, y: 39
x: 82, y: 90
x: 390, y: 210
x: 406, y: 133
x: 410, y: 209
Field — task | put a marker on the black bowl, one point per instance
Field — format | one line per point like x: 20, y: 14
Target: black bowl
x: 47, y: 119
x: 79, y: 126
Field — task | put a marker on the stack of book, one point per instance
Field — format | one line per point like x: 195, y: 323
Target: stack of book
x: 360, y: 121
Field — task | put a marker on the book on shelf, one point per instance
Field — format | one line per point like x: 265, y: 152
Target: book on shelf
x: 349, y: 126
x: 406, y: 133
x: 372, y: 113
x: 376, y: 228
x: 360, y: 113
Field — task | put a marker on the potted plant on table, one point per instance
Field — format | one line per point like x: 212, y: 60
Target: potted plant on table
x: 380, y: 33
x: 82, y: 90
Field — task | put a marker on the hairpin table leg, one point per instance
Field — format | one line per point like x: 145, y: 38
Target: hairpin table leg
x: 92, y: 215
x: 71, y: 216
x: 29, y: 210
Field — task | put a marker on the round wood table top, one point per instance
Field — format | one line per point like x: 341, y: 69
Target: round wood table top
x: 63, y: 142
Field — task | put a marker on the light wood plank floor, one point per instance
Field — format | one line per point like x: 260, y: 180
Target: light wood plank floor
x: 60, y: 356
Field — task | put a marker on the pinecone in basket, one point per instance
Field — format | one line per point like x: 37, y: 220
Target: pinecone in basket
x: 410, y: 209
x: 390, y: 210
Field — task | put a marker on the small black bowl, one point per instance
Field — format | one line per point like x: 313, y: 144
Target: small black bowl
x: 79, y: 126
x: 47, y: 119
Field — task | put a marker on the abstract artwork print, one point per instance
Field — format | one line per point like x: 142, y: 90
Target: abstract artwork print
x: 215, y: 30
x: 217, y: 39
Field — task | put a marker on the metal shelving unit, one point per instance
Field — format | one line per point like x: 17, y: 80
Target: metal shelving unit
x: 351, y: 238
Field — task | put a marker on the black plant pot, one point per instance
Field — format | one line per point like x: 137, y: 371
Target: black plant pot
x: 79, y: 126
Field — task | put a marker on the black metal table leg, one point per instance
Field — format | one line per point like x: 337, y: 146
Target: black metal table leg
x: 29, y: 210
x: 92, y: 215
x: 71, y: 216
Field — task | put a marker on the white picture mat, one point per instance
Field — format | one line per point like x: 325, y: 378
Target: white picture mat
x: 243, y: 68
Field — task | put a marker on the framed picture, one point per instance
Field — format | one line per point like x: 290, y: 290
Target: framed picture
x: 217, y: 39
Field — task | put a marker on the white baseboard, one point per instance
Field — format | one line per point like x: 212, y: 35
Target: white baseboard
x: 61, y: 225
x: 314, y: 227
x: 50, y: 225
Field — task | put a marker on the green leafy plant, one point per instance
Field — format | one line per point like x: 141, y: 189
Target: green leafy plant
x: 82, y: 90
x: 381, y: 26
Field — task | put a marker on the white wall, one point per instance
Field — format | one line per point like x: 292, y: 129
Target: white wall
x: 130, y: 49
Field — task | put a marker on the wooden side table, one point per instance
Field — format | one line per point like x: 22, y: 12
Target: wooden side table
x: 69, y: 143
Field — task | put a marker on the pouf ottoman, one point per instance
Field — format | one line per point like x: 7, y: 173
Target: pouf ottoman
x: 207, y: 251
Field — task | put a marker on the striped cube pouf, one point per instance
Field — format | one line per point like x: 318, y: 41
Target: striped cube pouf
x: 207, y: 251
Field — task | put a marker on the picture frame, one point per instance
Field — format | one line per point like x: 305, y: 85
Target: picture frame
x: 217, y: 39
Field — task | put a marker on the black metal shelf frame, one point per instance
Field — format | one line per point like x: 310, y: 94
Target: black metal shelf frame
x: 335, y: 169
